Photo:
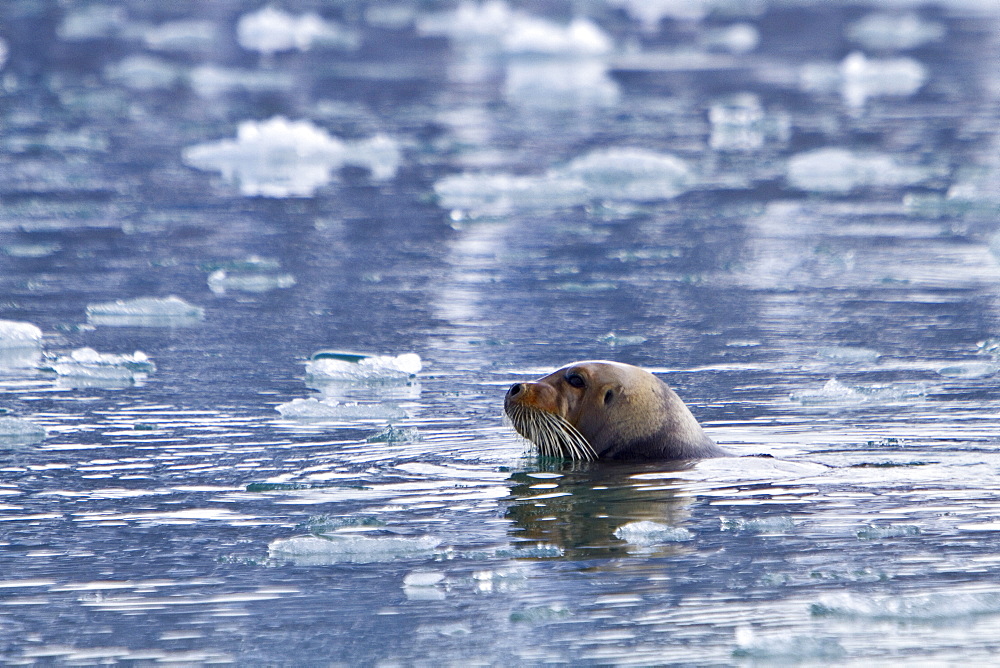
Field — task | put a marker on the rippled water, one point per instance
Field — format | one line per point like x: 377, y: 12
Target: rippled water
x: 787, y: 211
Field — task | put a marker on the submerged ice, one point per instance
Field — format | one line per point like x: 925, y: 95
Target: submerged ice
x: 838, y: 170
x: 331, y: 409
x: 18, y: 431
x: 283, y: 158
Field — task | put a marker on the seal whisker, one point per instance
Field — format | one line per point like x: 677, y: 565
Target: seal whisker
x: 552, y: 435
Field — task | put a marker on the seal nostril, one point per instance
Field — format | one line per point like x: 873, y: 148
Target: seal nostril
x: 515, y: 390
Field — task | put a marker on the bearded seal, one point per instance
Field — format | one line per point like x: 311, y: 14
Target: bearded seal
x: 606, y: 410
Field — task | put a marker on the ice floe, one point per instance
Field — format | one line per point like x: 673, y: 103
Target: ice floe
x: 859, y: 78
x: 355, y: 367
x: 834, y: 392
x: 144, y: 73
x: 838, y: 170
x: 88, y: 364
x: 759, y: 525
x: 18, y: 431
x: 20, y: 345
x: 740, y: 123
x: 647, y: 533
x: 560, y: 84
x: 894, y: 32
x: 283, y: 158
x: 331, y: 409
x: 495, y: 26
x: 617, y: 174
x: 169, y: 311
x: 213, y: 80
x: 787, y: 650
x: 909, y: 607
x: 221, y: 281
x: 320, y: 551
x: 270, y: 30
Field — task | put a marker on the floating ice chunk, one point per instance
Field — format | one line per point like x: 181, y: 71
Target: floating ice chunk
x: 858, y: 78
x: 896, y: 32
x: 758, y: 524
x: 423, y: 578
x: 4, y: 52
x: 16, y: 335
x: 878, y: 532
x: 835, y: 392
x: 91, y: 22
x: 354, y: 367
x: 618, y: 174
x: 220, y: 281
x: 631, y: 174
x: 848, y: 354
x: 329, y: 409
x: 143, y: 73
x: 739, y: 38
x: 145, y: 312
x: 647, y: 533
x: 18, y: 431
x: 925, y: 607
x: 539, y: 614
x: 393, y: 434
x: 494, y: 194
x: 528, y: 34
x: 841, y: 171
x: 787, y: 650
x: 739, y: 123
x: 87, y: 363
x: 271, y: 30
x: 210, y: 80
x: 320, y: 551
x: 613, y: 339
x: 969, y: 370
x: 185, y: 35
x: 282, y: 158
x: 560, y: 84
x: 493, y: 24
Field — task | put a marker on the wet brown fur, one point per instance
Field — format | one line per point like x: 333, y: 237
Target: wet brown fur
x: 621, y: 412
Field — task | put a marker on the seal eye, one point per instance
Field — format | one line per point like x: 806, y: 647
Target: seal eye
x: 608, y: 396
x: 576, y: 380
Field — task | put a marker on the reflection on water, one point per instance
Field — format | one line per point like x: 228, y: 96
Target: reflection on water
x: 788, y: 211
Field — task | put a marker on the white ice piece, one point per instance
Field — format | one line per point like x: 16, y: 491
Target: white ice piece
x: 143, y: 73
x: 221, y: 281
x: 548, y: 83
x: 89, y: 364
x: 318, y: 551
x: 859, y: 78
x: 897, y: 32
x: 613, y: 174
x: 630, y: 174
x: 283, y: 158
x: 169, y: 311
x: 20, y: 345
x: 494, y: 26
x: 330, y: 409
x: 271, y: 31
x: 183, y: 35
x: 15, y: 334
x: 345, y: 367
x: 839, y: 170
x: 646, y: 532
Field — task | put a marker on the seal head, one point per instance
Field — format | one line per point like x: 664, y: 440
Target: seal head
x: 606, y: 410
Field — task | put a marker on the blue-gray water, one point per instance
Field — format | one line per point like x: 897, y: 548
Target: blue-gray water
x: 786, y: 209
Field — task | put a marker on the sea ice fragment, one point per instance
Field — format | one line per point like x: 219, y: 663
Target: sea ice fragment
x: 319, y: 551
x: 340, y: 366
x: 270, y: 30
x: 169, y: 311
x: 646, y: 533
x: 283, y: 158
x: 330, y: 409
x: 838, y: 170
